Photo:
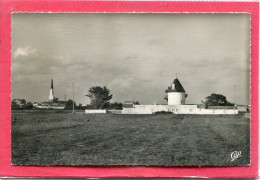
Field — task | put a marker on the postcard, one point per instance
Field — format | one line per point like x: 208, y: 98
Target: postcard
x: 148, y: 89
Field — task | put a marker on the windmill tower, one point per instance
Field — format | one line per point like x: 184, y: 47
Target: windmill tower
x: 176, y: 93
x: 51, y: 97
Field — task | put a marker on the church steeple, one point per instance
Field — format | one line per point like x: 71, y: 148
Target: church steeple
x: 51, y: 97
x: 52, y: 84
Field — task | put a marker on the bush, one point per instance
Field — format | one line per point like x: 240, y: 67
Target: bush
x: 163, y: 112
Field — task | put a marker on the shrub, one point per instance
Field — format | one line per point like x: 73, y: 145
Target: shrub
x: 163, y: 112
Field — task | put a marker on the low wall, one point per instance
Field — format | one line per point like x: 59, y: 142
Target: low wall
x: 221, y: 107
x: 243, y: 108
x: 151, y: 109
x: 114, y: 111
x: 95, y: 111
x: 176, y: 109
x: 213, y: 111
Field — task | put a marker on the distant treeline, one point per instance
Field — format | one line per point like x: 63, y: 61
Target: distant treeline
x: 109, y: 106
x: 22, y: 104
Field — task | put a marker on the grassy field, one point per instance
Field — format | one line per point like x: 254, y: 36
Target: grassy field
x: 62, y: 138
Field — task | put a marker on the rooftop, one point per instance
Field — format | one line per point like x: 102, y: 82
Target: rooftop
x: 176, y: 88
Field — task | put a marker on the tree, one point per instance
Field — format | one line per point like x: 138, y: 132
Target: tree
x: 217, y: 100
x: 114, y: 105
x: 18, y: 104
x: 99, y: 97
x: 29, y: 105
x: 14, y: 105
x: 166, y: 97
x: 69, y: 104
x: 55, y: 100
x: 23, y: 101
x: 136, y: 103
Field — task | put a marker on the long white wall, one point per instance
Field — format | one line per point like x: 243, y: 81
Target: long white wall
x: 95, y: 111
x: 176, y: 109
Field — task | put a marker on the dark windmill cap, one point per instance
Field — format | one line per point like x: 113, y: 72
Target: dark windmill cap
x: 178, y: 87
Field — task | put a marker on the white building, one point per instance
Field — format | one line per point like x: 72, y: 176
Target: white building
x: 176, y: 104
x: 176, y: 93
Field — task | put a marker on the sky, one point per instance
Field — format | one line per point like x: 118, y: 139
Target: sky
x: 137, y: 56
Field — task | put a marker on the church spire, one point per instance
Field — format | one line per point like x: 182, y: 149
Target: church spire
x: 51, y: 97
x: 52, y: 83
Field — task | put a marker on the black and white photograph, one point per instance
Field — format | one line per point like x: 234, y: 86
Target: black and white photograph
x: 153, y: 89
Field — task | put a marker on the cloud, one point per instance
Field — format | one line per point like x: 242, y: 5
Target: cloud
x: 133, y: 55
x: 24, y: 51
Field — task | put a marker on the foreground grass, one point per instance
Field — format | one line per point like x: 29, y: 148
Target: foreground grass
x: 47, y: 138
